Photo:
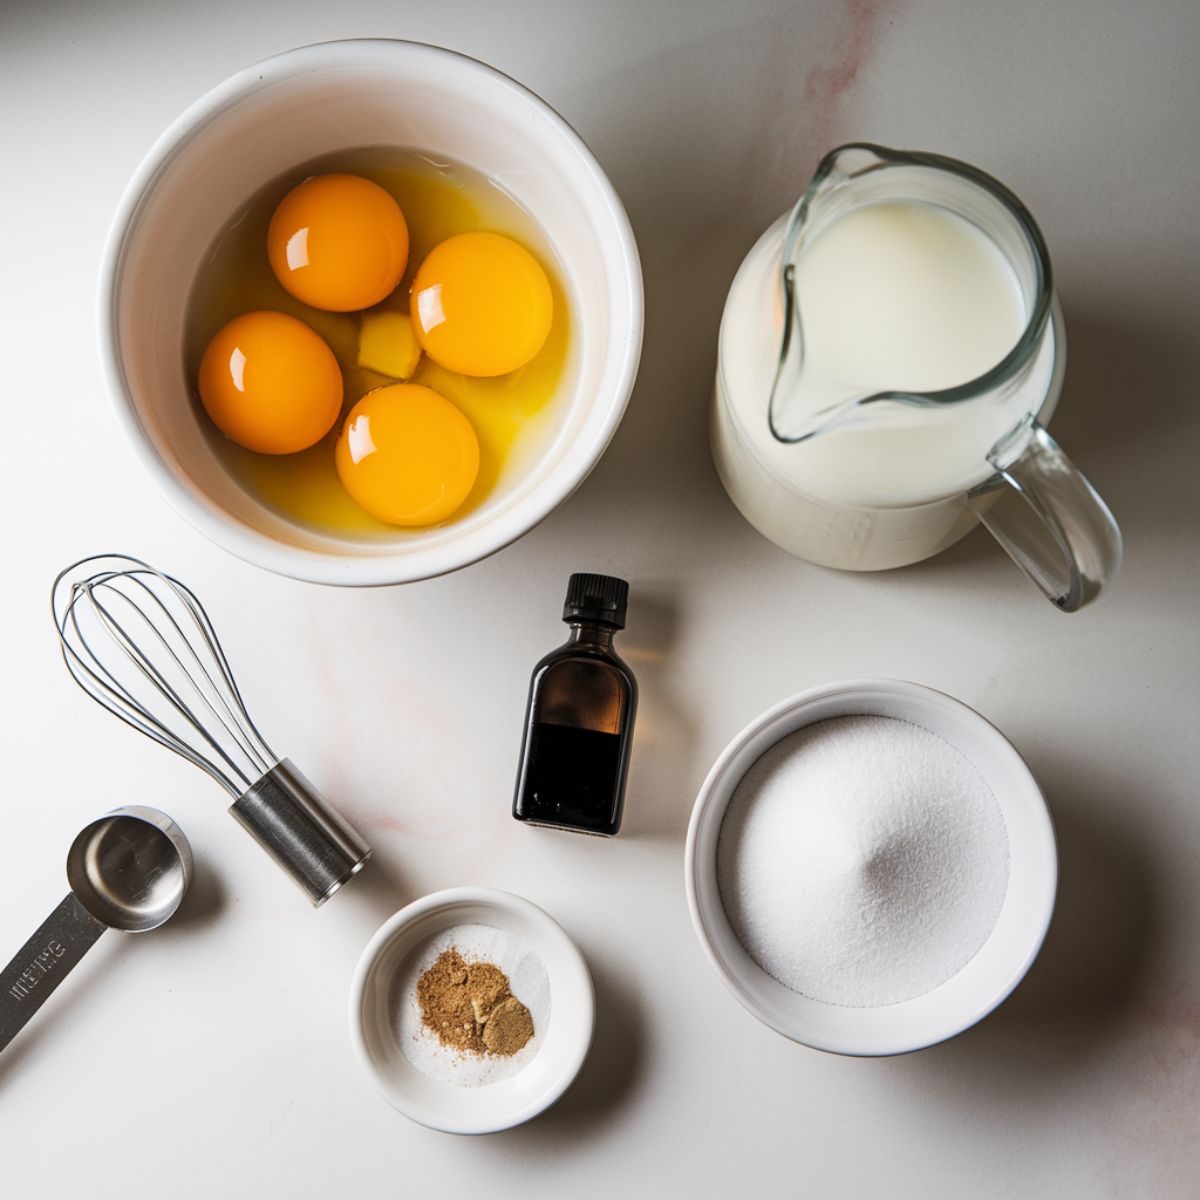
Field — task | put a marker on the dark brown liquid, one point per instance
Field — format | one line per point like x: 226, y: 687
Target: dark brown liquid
x: 573, y: 779
x: 578, y: 734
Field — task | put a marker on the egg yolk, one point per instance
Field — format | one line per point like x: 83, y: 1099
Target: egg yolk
x: 407, y: 455
x: 270, y: 383
x: 338, y: 242
x: 481, y: 304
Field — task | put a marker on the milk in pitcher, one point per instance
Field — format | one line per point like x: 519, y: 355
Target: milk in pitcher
x: 893, y: 297
x: 890, y: 354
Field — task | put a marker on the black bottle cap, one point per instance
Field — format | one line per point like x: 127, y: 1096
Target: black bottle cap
x: 597, y: 598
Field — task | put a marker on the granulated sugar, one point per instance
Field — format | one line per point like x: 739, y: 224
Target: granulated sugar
x: 863, y: 861
x: 527, y: 979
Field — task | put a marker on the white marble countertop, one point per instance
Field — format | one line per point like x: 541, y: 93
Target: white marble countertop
x: 212, y: 1058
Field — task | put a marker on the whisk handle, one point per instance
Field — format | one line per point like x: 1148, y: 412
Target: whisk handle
x: 40, y: 965
x: 292, y: 822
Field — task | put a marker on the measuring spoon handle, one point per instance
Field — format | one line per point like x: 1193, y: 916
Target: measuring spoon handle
x: 40, y: 965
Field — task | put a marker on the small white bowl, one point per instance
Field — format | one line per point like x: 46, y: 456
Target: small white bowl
x: 1003, y: 959
x: 510, y: 1101
x: 287, y: 110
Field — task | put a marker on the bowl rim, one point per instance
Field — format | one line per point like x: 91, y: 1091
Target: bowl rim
x: 319, y: 566
x: 583, y: 1022
x: 704, y: 812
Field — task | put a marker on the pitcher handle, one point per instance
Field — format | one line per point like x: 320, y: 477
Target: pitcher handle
x: 1051, y: 521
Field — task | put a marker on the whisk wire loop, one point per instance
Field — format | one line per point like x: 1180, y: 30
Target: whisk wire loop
x: 181, y: 692
x: 113, y: 698
x: 158, y: 680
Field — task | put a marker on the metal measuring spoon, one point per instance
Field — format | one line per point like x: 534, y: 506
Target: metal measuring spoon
x: 128, y: 870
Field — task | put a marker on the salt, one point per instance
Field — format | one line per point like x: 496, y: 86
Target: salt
x: 863, y: 861
x: 527, y: 979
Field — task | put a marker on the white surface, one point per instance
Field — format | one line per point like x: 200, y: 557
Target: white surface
x: 273, y: 116
x: 1013, y: 941
x: 223, y: 1035
x: 563, y: 1040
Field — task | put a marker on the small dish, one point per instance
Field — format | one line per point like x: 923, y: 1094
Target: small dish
x: 289, y: 110
x: 1000, y: 963
x: 510, y: 1101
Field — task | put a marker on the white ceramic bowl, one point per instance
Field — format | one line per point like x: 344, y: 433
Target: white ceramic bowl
x: 267, y: 120
x: 507, y: 1102
x: 1000, y: 963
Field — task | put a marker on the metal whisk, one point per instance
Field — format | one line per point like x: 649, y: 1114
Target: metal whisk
x: 141, y: 645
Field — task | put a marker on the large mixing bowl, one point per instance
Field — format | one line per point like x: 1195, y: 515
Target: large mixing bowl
x: 268, y: 120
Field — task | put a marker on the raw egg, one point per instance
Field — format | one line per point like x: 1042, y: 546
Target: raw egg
x: 481, y: 304
x: 338, y: 242
x: 407, y: 455
x: 270, y: 383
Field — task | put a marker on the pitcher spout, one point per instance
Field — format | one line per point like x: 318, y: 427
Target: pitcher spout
x: 903, y: 247
x: 793, y: 415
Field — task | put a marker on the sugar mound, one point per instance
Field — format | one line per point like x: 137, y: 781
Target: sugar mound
x: 863, y: 861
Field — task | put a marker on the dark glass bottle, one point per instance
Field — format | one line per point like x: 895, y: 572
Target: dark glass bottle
x: 579, y: 721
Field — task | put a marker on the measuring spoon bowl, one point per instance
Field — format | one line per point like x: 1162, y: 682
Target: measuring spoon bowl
x: 130, y: 869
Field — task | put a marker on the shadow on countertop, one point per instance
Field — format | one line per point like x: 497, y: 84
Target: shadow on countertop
x: 613, y: 1069
x: 658, y: 801
x: 377, y: 892
x: 102, y: 967
x: 1092, y: 974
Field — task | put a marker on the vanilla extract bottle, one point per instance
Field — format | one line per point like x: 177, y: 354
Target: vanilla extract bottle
x: 579, y: 720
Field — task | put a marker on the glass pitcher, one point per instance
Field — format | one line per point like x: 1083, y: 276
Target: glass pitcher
x: 942, y: 270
